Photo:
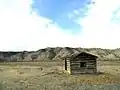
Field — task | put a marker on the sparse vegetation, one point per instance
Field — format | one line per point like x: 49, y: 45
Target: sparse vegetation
x: 50, y: 76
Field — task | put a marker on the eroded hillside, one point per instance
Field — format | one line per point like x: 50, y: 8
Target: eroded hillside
x: 58, y: 53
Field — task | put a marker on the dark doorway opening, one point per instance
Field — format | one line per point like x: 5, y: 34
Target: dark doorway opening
x: 65, y: 64
x: 82, y: 64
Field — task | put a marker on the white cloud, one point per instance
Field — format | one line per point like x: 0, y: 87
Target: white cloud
x: 100, y: 28
x: 22, y: 29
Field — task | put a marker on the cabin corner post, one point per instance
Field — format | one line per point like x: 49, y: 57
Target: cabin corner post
x: 95, y: 66
x: 68, y: 66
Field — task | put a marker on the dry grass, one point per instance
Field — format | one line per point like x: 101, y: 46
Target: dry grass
x: 50, y: 76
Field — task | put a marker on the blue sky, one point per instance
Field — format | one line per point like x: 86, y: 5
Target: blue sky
x: 59, y: 10
x: 34, y: 24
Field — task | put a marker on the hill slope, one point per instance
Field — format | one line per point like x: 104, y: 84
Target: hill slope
x: 58, y: 53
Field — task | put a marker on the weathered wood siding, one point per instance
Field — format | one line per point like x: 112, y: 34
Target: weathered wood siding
x: 89, y: 68
x: 81, y: 63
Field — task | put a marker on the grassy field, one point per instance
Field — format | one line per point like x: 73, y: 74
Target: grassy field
x: 50, y: 76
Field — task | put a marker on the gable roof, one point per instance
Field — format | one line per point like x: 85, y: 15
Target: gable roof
x: 80, y: 53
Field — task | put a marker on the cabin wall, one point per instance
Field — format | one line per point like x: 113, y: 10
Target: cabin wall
x: 90, y: 66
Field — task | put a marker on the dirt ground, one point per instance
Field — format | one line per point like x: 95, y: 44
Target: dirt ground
x: 51, y: 76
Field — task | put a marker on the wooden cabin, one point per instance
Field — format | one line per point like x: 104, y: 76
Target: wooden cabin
x: 81, y: 63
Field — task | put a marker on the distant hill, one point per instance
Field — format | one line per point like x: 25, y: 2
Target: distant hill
x: 58, y: 53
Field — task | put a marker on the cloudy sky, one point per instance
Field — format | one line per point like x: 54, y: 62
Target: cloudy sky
x: 34, y: 24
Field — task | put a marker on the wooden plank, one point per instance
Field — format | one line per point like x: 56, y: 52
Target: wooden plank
x: 77, y: 62
x: 91, y: 68
x: 83, y: 71
x: 90, y: 64
x: 74, y: 64
x: 88, y: 72
x: 77, y: 65
x: 75, y: 68
x: 80, y: 62
x: 91, y: 61
x: 78, y: 69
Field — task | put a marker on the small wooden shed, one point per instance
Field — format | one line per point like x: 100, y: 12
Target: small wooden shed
x: 81, y: 63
